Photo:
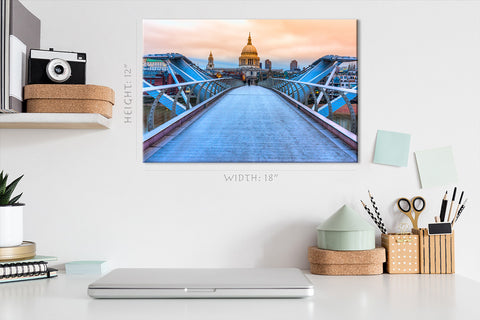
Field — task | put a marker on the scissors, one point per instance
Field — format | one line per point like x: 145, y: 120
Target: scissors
x: 417, y: 205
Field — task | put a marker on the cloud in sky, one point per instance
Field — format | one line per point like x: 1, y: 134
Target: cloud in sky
x: 278, y: 40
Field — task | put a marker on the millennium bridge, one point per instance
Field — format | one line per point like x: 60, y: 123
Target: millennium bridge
x: 224, y: 120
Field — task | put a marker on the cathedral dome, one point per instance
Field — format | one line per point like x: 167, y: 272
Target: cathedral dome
x: 249, y: 55
x: 249, y: 48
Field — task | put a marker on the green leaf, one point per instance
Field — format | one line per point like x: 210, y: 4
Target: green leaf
x: 14, y: 200
x: 3, y: 183
x: 11, y: 187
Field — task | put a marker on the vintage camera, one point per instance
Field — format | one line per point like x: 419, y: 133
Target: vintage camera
x: 48, y: 66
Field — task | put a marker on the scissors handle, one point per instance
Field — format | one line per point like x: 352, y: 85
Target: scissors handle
x: 415, y: 205
x: 418, y: 204
x: 405, y: 207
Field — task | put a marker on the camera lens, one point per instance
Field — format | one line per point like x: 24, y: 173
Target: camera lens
x: 59, y: 69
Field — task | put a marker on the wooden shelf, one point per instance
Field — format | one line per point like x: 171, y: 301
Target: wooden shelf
x: 54, y: 121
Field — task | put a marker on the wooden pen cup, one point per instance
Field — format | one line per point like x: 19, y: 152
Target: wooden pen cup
x: 402, y: 252
x: 437, y: 252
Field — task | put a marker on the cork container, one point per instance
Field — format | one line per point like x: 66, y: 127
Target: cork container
x: 69, y: 98
x: 337, y: 262
x: 402, y: 252
x: 437, y: 252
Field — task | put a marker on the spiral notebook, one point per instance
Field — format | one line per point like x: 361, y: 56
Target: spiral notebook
x: 35, y: 268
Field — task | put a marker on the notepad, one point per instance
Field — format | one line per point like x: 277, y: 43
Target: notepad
x: 436, y: 167
x: 392, y: 148
x: 86, y: 267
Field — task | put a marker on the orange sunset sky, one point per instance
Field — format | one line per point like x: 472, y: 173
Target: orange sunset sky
x: 278, y: 40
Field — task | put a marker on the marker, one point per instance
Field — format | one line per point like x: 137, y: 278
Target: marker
x: 451, y: 204
x: 444, y: 207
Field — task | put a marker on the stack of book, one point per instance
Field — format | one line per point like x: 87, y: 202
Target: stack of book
x: 20, y: 270
x: 19, y: 32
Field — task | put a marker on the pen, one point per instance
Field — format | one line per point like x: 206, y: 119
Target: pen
x: 451, y: 204
x: 459, y: 212
x: 444, y: 207
x: 458, y: 207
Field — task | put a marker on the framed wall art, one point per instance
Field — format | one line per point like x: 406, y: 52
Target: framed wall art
x: 274, y: 91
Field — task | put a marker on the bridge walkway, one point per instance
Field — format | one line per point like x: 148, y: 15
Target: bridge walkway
x: 252, y: 124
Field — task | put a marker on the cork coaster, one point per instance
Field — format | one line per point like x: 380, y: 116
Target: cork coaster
x: 346, y: 269
x: 69, y: 98
x: 361, y: 257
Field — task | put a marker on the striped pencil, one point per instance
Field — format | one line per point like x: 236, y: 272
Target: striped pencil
x: 379, y: 218
x: 375, y: 220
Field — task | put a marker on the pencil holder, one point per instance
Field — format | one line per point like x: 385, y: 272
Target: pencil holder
x: 437, y: 252
x: 402, y: 252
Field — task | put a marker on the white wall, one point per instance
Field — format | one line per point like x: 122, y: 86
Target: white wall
x: 89, y: 196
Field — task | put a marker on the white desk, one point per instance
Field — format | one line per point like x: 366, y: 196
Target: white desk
x: 369, y: 297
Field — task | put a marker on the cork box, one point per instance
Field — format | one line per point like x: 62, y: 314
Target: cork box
x: 356, y: 262
x: 437, y: 252
x: 69, y: 98
x: 402, y: 252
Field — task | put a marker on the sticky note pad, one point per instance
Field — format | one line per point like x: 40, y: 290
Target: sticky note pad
x: 85, y: 267
x: 392, y: 148
x: 436, y: 167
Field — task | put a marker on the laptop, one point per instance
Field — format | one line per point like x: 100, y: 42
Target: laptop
x: 202, y: 283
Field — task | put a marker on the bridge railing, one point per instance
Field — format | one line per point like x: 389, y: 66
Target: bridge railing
x: 183, y: 94
x: 303, y: 91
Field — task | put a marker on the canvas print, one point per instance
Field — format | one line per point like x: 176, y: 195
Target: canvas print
x: 274, y: 91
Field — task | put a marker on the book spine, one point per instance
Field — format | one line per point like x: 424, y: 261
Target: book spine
x: 21, y: 269
x: 6, y: 55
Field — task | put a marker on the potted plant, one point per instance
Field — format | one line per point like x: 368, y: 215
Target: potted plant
x: 11, y: 213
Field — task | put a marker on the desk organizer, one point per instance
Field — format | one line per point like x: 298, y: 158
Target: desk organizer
x: 69, y: 98
x: 402, y: 252
x: 437, y: 252
x: 336, y: 262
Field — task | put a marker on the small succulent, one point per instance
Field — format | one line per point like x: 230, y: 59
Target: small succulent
x: 7, y: 191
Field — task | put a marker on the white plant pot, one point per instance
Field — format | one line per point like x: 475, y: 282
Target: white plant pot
x: 11, y: 226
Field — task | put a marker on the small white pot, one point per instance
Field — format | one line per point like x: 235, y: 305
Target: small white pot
x: 11, y: 226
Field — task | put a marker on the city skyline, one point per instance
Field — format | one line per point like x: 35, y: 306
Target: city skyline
x: 280, y: 41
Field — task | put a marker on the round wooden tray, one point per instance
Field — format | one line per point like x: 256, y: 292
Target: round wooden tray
x: 26, y: 250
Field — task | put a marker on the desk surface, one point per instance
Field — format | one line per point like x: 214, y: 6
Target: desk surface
x: 367, y: 297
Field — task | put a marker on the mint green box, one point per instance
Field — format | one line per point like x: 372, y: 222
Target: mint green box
x: 345, y: 230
